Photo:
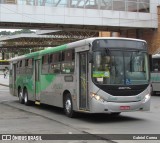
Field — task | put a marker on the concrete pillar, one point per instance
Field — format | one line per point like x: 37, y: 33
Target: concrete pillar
x: 3, y: 55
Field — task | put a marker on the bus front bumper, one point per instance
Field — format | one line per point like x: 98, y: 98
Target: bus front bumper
x: 110, y: 107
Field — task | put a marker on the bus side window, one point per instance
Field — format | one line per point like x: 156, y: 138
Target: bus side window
x: 26, y: 62
x: 28, y: 65
x: 156, y: 65
x: 20, y: 67
x: 67, y: 66
x: 55, y: 63
x: 45, y: 64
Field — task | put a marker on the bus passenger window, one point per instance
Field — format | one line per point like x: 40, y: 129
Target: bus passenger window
x: 45, y: 64
x: 156, y: 65
x: 45, y: 59
x: 28, y: 65
x: 54, y: 63
x: 67, y: 67
x: 30, y: 62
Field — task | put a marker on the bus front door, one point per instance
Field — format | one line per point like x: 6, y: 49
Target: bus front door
x: 83, y: 81
x: 37, y: 81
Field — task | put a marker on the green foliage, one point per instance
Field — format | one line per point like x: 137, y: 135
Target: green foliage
x: 7, y: 33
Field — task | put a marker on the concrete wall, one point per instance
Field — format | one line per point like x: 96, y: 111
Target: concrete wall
x: 76, y: 16
x: 145, y: 25
x: 152, y: 36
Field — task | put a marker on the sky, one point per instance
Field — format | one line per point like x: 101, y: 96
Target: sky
x: 12, y: 30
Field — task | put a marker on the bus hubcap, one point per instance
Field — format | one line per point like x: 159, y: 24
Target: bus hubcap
x: 25, y: 98
x: 68, y: 105
x: 20, y: 95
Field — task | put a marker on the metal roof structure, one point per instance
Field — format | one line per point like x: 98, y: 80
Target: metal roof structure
x: 23, y: 42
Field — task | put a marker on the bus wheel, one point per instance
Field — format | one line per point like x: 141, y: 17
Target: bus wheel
x: 26, y: 101
x: 115, y: 113
x: 153, y: 93
x: 20, y: 96
x: 68, y: 107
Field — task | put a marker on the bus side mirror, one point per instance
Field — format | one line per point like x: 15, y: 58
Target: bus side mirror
x: 90, y: 57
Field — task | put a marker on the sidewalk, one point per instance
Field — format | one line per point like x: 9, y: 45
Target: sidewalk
x: 4, y: 81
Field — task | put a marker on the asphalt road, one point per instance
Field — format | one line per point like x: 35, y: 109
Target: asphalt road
x: 16, y: 118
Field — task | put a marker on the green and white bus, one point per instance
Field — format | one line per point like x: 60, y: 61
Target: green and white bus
x: 94, y: 75
x: 155, y: 72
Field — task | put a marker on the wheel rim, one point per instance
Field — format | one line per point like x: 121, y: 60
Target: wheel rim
x: 25, y: 97
x: 68, y: 105
x: 20, y: 96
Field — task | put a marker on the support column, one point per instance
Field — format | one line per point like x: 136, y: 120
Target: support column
x: 3, y: 56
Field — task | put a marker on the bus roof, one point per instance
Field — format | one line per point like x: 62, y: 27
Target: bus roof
x: 79, y: 43
x: 156, y: 56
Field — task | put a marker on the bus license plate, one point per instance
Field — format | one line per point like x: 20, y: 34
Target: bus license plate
x: 124, y: 107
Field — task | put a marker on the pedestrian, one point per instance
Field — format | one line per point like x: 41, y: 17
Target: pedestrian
x: 4, y: 72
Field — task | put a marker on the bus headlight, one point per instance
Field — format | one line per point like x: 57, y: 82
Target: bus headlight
x: 97, y: 97
x: 146, y: 98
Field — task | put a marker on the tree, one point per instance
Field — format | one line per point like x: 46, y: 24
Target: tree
x: 7, y: 33
x: 23, y: 31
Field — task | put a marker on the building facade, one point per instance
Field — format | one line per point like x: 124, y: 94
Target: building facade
x: 128, y: 18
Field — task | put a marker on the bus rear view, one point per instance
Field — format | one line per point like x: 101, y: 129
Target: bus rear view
x: 120, y: 76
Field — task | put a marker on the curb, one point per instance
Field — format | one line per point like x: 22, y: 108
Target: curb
x: 4, y: 85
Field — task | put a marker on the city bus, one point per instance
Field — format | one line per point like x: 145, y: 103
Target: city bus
x: 4, y: 64
x: 155, y: 73
x: 94, y: 75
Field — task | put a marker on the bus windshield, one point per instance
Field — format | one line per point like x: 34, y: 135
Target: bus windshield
x: 120, y: 67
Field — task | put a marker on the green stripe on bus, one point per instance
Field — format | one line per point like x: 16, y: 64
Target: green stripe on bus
x: 46, y: 51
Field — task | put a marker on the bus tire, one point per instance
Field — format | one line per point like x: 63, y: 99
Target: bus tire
x: 153, y: 93
x: 68, y: 106
x: 20, y: 96
x: 115, y: 113
x: 26, y: 101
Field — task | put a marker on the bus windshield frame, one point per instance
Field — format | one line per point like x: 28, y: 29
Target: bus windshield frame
x: 120, y: 66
